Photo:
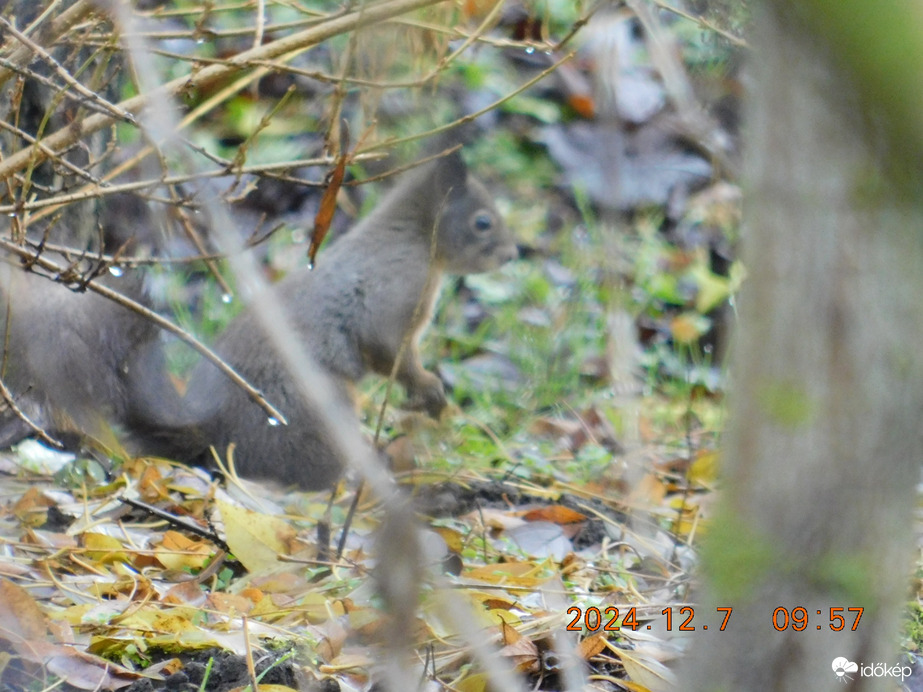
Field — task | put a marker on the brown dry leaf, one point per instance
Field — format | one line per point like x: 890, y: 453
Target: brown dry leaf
x: 556, y: 514
x: 229, y: 603
x: 649, y: 492
x: 358, y: 660
x: 49, y: 539
x: 369, y: 622
x: 20, y: 616
x: 495, y: 518
x: 280, y: 582
x: 137, y: 587
x: 186, y: 593
x: 402, y: 454
x: 85, y: 671
x: 32, y: 508
x: 272, y: 607
x: 23, y: 625
x: 491, y: 602
x: 333, y: 638
x: 520, y: 650
x: 152, y: 486
x: 255, y: 539
x: 253, y: 594
x: 591, y: 646
x: 509, y: 635
x: 328, y: 203
x: 176, y: 551
x: 583, y: 104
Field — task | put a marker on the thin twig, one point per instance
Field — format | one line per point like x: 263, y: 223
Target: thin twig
x: 289, y: 47
x: 66, y: 76
x: 7, y: 397
x: 177, y: 521
x: 59, y: 26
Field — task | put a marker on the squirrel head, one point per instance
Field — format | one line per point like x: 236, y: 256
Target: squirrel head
x: 470, y: 234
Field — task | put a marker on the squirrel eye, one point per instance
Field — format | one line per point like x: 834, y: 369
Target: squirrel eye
x: 483, y: 222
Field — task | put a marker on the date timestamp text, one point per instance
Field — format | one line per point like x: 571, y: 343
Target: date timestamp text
x: 611, y: 619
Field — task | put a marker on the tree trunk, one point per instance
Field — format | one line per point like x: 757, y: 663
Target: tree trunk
x: 822, y: 456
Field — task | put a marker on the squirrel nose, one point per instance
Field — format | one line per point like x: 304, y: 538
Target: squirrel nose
x: 509, y: 253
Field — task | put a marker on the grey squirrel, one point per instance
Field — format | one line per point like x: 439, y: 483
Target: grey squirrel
x: 352, y: 311
x: 66, y: 356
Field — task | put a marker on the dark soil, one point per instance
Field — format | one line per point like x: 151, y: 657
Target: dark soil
x: 229, y: 671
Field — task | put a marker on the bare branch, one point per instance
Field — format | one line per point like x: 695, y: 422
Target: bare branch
x: 289, y: 47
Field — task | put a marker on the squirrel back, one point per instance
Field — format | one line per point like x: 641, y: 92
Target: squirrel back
x: 372, y: 290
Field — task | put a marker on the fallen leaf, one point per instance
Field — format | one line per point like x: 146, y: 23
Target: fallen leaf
x: 704, y: 469
x: 522, y: 574
x: 521, y: 651
x: 591, y: 646
x: 556, y: 514
x: 256, y: 539
x: 472, y: 683
x: 103, y: 548
x: 541, y: 539
x: 643, y: 670
x: 87, y: 672
x: 649, y: 492
x: 176, y: 551
x: 32, y: 508
x: 20, y: 616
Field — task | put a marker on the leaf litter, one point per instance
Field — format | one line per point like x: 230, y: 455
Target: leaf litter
x: 97, y: 593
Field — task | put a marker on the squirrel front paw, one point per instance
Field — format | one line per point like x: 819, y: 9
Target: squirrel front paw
x: 427, y: 395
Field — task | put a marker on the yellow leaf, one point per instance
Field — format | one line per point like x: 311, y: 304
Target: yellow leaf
x: 643, y: 670
x: 103, y: 548
x: 472, y: 683
x: 454, y: 540
x: 255, y: 539
x: 523, y: 574
x: 704, y: 469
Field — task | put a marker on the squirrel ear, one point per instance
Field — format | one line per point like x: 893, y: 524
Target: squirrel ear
x: 451, y: 173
